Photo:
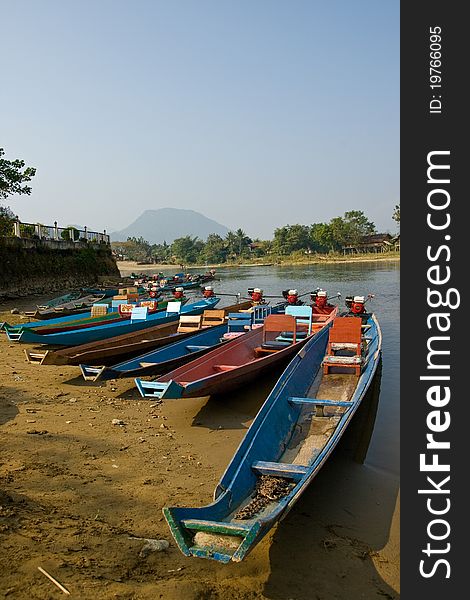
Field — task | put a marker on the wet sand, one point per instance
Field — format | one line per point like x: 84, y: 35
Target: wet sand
x: 75, y: 490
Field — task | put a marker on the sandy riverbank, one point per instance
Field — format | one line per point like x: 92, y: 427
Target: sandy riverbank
x: 75, y: 490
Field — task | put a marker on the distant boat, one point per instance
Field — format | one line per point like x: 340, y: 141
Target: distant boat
x: 70, y: 307
x: 290, y: 439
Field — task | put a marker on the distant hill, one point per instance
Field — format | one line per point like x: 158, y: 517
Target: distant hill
x: 167, y: 224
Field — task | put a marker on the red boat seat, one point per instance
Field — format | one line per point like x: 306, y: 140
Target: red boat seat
x: 223, y: 368
x: 345, y: 336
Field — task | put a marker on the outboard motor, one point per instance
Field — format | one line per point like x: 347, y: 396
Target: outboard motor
x: 208, y: 292
x: 178, y: 293
x: 321, y: 299
x: 292, y: 297
x: 256, y: 295
x: 153, y: 292
x: 356, y: 304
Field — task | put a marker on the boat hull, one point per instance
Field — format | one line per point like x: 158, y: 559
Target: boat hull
x: 268, y: 448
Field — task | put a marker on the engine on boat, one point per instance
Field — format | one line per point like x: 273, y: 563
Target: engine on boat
x: 319, y: 298
x: 256, y: 295
x: 178, y: 293
x: 208, y: 291
x: 292, y: 297
x: 356, y: 304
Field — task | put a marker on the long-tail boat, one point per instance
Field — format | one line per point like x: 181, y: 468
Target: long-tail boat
x: 102, y: 316
x: 204, y: 332
x: 288, y: 442
x: 127, y: 345
x: 70, y: 307
x: 242, y: 359
x: 75, y: 337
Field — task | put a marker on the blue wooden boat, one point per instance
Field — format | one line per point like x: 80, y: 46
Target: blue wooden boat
x: 128, y: 345
x: 290, y: 439
x: 82, y: 320
x: 100, y: 332
x: 58, y: 320
x: 180, y: 351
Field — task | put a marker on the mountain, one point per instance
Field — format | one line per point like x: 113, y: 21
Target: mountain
x: 167, y: 224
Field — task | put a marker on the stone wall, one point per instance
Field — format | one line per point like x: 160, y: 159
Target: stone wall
x: 29, y: 266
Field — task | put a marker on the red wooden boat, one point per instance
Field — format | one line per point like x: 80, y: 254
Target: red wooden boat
x: 244, y: 358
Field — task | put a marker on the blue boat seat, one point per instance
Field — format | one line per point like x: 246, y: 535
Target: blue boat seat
x: 303, y: 316
x: 196, y: 348
x: 225, y: 527
x: 289, y: 471
x: 317, y: 402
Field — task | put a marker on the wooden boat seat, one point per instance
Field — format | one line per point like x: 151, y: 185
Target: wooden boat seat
x: 238, y: 324
x: 287, y: 336
x: 286, y: 324
x: 225, y: 527
x: 211, y: 318
x: 188, y: 323
x: 99, y: 310
x: 345, y: 336
x: 223, y: 368
x: 287, y: 470
x: 303, y: 316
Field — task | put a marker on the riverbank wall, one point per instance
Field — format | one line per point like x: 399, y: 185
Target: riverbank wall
x: 31, y: 266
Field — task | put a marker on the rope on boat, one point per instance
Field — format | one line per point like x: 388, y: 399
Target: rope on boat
x: 268, y: 488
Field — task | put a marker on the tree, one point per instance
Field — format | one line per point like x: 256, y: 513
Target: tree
x: 12, y: 175
x: 290, y: 238
x: 7, y: 219
x: 321, y: 237
x: 215, y: 249
x: 396, y: 214
x: 357, y: 226
x: 242, y: 241
x: 187, y: 249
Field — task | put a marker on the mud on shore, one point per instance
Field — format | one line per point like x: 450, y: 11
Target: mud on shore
x: 79, y: 496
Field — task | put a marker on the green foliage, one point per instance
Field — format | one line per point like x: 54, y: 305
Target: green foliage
x: 12, y: 175
x: 357, y: 226
x: 70, y: 234
x: 27, y: 231
x: 7, y: 218
x: 215, y: 249
x: 396, y: 214
x: 187, y: 249
x: 291, y: 240
x: 237, y: 243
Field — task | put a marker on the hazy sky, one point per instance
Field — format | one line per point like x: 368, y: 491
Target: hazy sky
x: 257, y: 113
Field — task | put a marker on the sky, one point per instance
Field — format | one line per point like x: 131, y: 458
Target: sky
x: 257, y: 113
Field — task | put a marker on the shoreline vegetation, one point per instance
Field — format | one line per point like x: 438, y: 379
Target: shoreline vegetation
x: 133, y: 266
x: 351, y: 235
